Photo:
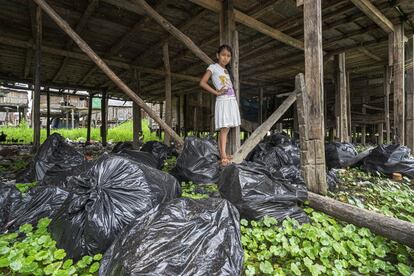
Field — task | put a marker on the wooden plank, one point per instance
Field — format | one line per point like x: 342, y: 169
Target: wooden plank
x: 367, y: 106
x: 168, y: 104
x: 314, y: 169
x: 348, y: 95
x: 262, y: 130
x: 253, y: 23
x: 368, y: 53
x: 48, y: 113
x: 136, y: 113
x: 102, y: 65
x: 37, y: 82
x: 380, y: 128
x: 374, y: 14
x: 174, y: 31
x: 342, y: 99
x: 410, y: 93
x: 392, y: 228
x: 399, y: 88
x: 364, y: 126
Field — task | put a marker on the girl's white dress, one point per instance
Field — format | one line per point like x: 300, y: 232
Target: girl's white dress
x: 227, y: 112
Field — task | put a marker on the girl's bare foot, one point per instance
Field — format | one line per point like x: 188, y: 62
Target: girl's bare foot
x: 230, y: 157
x: 224, y: 162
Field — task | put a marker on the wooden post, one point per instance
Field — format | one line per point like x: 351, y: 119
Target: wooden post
x: 73, y: 118
x: 212, y: 110
x: 399, y: 93
x: 102, y: 65
x: 168, y: 104
x: 104, y: 117
x: 410, y: 94
x: 48, y: 112
x: 36, y: 97
x: 260, y: 115
x: 349, y: 103
x: 380, y: 133
x: 387, y: 92
x: 313, y: 144
x: 136, y: 113
x: 185, y: 115
x: 161, y: 116
x: 341, y: 99
x: 364, y: 126
x: 178, y: 111
x: 88, y: 130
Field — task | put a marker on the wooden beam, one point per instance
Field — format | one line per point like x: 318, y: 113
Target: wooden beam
x: 342, y: 99
x: 374, y: 14
x: 90, y: 9
x: 37, y: 82
x: 76, y: 55
x: 168, y: 104
x: 136, y: 113
x: 48, y: 113
x: 253, y: 23
x: 313, y: 143
x: 367, y: 106
x: 410, y: 94
x: 399, y: 87
x: 380, y: 128
x: 392, y: 228
x: 262, y: 130
x: 387, y: 92
x: 366, y: 52
x: 104, y: 117
x: 102, y: 65
x: 173, y: 30
x: 364, y: 126
x: 260, y: 109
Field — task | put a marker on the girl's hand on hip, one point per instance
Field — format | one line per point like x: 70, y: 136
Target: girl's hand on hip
x: 222, y: 91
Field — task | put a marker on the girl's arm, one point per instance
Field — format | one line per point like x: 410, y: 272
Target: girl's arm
x: 207, y: 87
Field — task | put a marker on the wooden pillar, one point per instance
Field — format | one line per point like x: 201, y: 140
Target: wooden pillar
x: 364, y: 126
x: 410, y: 94
x: 48, y: 113
x: 136, y: 112
x: 168, y: 104
x: 313, y: 146
x: 178, y: 112
x: 37, y: 78
x: 104, y: 117
x: 387, y: 92
x: 185, y: 115
x: 229, y: 36
x: 260, y: 115
x: 354, y: 135
x: 161, y: 116
x: 341, y: 106
x: 88, y: 130
x: 73, y: 118
x: 380, y: 127
x: 399, y: 91
x: 349, y: 103
x: 212, y: 110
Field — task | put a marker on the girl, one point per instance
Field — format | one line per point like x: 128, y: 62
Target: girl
x: 227, y: 113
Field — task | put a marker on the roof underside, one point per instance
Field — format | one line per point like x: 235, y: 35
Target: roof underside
x: 119, y: 31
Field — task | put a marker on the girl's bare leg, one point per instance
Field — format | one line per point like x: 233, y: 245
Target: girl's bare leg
x: 223, y: 142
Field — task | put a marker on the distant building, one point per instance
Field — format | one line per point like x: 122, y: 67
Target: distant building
x: 13, y: 106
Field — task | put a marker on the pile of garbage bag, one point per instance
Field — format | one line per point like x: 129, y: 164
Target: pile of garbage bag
x: 339, y: 155
x: 389, y: 159
x: 105, y: 199
x: 160, y: 151
x: 198, y: 161
x: 257, y: 192
x: 181, y: 237
x: 143, y: 157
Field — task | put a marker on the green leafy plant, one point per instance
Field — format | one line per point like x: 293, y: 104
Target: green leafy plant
x: 32, y: 251
x: 25, y: 187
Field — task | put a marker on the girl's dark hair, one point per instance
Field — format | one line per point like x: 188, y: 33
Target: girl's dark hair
x: 228, y: 66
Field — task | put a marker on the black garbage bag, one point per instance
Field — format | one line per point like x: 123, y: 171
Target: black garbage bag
x: 9, y: 197
x: 256, y: 192
x: 182, y: 237
x: 53, y: 152
x: 276, y: 151
x: 198, y: 162
x: 105, y: 199
x: 122, y: 145
x: 57, y: 176
x: 38, y: 203
x: 389, y: 159
x: 332, y: 179
x: 160, y: 151
x: 339, y: 155
x: 143, y: 157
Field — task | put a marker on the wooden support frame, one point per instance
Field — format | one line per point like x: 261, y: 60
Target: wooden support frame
x: 168, y: 99
x: 364, y: 126
x: 260, y: 109
x: 387, y: 92
x: 37, y: 76
x: 88, y: 130
x: 374, y: 14
x: 48, y: 113
x: 410, y: 93
x: 262, y: 130
x: 136, y: 113
x: 399, y: 87
x: 104, y: 117
x: 102, y: 65
x: 342, y: 99
x: 311, y: 104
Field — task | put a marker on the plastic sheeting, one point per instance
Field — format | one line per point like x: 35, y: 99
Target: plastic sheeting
x: 143, y: 157
x: 198, y: 161
x: 182, y: 237
x: 339, y: 155
x: 389, y: 159
x: 105, y: 199
x: 257, y: 193
x: 160, y: 151
x: 57, y: 176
